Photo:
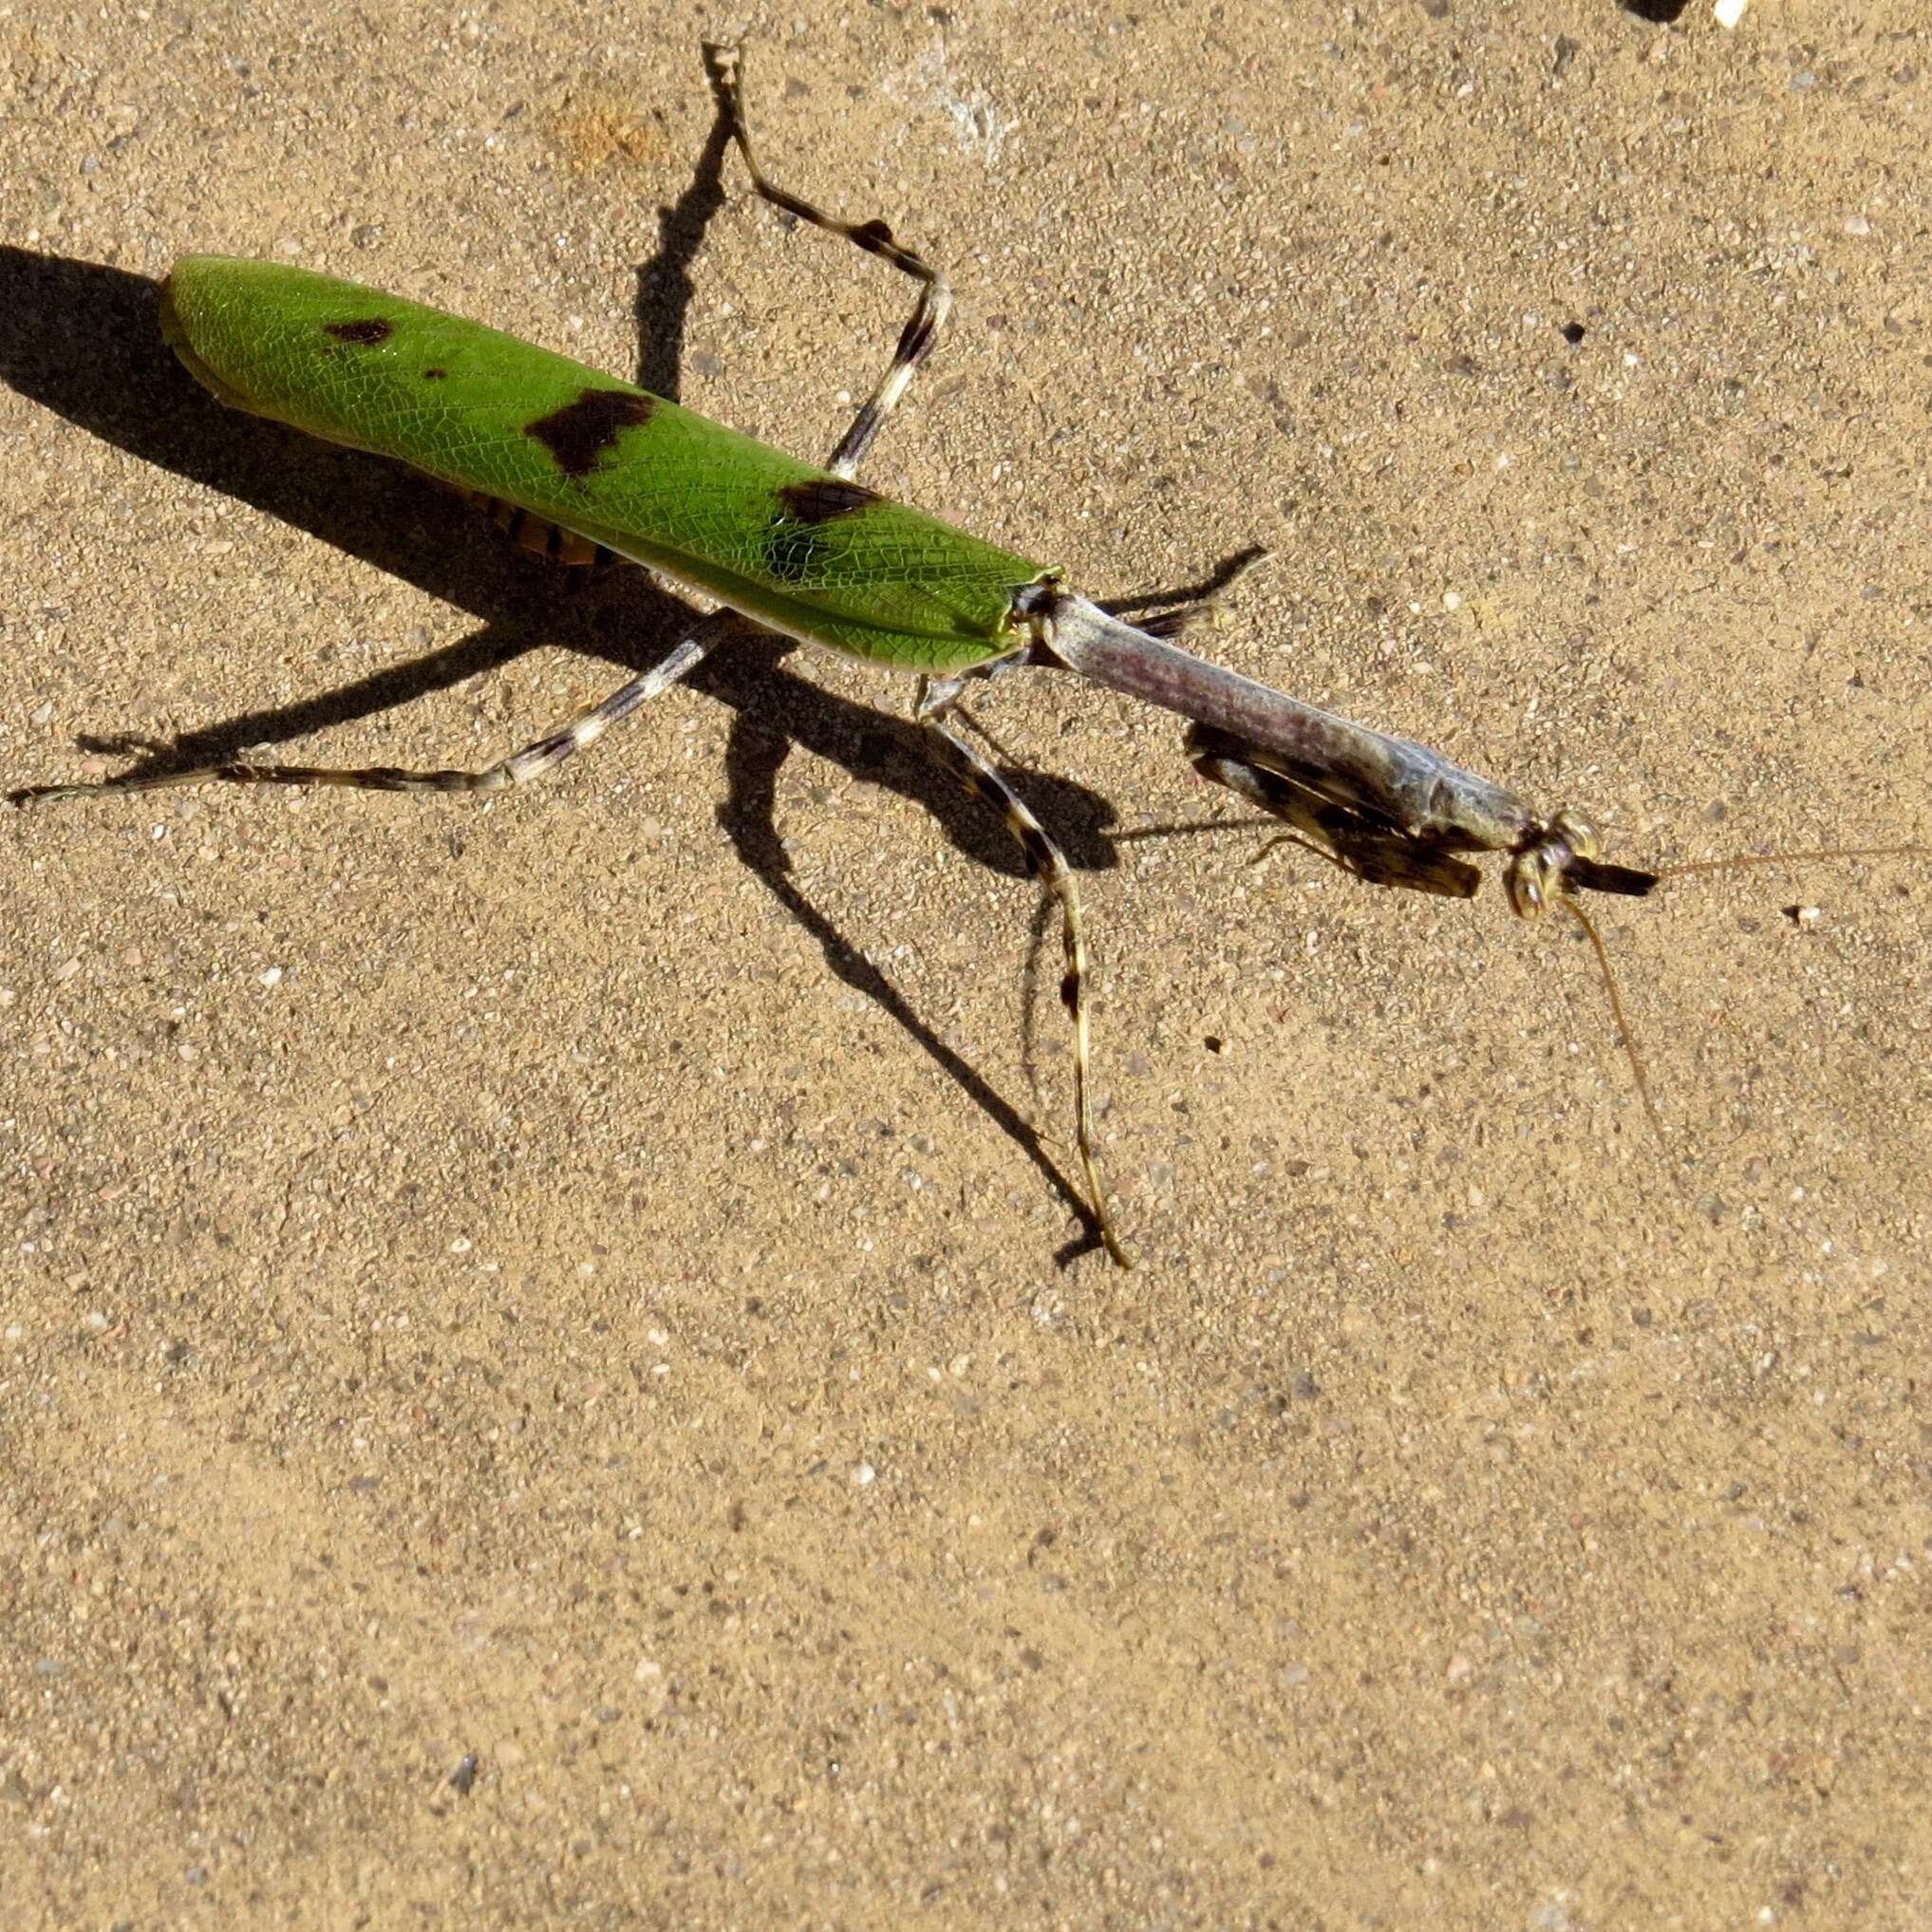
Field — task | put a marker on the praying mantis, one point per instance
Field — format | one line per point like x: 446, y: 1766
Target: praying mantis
x: 583, y: 468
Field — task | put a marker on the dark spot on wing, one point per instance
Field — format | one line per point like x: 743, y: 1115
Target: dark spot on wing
x: 796, y: 547
x: 365, y: 335
x: 579, y: 433
x: 434, y: 375
x: 818, y: 499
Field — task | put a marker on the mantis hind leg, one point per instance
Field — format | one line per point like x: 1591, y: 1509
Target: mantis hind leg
x: 535, y: 760
x: 726, y: 68
x: 937, y: 701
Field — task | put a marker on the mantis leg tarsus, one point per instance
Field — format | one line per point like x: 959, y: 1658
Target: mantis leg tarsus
x: 535, y: 760
x: 937, y: 701
x: 724, y: 65
x: 1169, y: 613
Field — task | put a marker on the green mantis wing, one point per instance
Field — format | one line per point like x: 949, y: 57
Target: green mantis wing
x: 808, y: 552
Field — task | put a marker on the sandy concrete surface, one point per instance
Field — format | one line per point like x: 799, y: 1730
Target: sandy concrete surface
x: 550, y: 1374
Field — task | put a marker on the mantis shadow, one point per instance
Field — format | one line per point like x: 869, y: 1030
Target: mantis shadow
x: 83, y: 339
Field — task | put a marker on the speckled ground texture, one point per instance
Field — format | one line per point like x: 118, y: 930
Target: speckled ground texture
x: 550, y: 1370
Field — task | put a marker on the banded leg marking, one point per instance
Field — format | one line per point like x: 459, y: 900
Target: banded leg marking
x: 937, y: 698
x: 724, y: 65
x: 533, y: 761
